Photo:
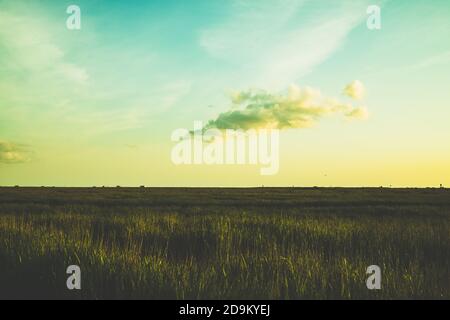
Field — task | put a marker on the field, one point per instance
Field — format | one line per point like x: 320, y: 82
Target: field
x: 260, y: 243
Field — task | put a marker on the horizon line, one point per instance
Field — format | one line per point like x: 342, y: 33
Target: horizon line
x: 221, y: 187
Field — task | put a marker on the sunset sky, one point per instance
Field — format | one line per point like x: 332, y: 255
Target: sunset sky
x: 97, y: 106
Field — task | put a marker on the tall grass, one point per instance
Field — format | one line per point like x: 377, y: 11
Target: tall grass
x: 142, y: 252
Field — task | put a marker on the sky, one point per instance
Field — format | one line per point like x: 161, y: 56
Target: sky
x: 99, y: 105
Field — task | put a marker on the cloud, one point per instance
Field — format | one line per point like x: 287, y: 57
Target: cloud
x: 442, y: 58
x: 32, y: 49
x: 298, y: 108
x: 355, y: 90
x: 360, y: 113
x: 11, y: 153
x: 43, y: 79
x: 275, y: 42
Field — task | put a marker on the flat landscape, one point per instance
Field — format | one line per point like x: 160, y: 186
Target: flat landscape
x: 261, y: 243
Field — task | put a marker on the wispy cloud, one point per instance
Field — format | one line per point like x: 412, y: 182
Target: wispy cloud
x: 11, y: 153
x: 355, y: 90
x: 41, y: 79
x: 33, y: 52
x: 274, y: 44
x: 442, y: 58
x: 299, y: 108
x: 134, y: 114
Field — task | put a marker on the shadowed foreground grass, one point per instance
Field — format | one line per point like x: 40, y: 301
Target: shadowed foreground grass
x: 263, y: 249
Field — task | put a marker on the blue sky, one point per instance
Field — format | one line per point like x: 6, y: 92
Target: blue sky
x: 138, y: 70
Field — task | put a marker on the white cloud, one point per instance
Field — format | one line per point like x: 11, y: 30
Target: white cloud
x: 31, y: 50
x: 355, y: 90
x: 40, y: 83
x: 274, y: 44
x: 299, y: 108
x: 442, y: 58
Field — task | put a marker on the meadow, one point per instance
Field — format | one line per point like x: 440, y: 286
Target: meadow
x: 261, y: 243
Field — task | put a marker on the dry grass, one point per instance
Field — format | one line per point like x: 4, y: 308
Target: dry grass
x: 224, y: 244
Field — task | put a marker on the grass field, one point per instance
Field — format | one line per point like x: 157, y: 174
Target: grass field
x: 225, y: 243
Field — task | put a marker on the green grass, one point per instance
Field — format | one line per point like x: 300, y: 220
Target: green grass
x: 225, y: 243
